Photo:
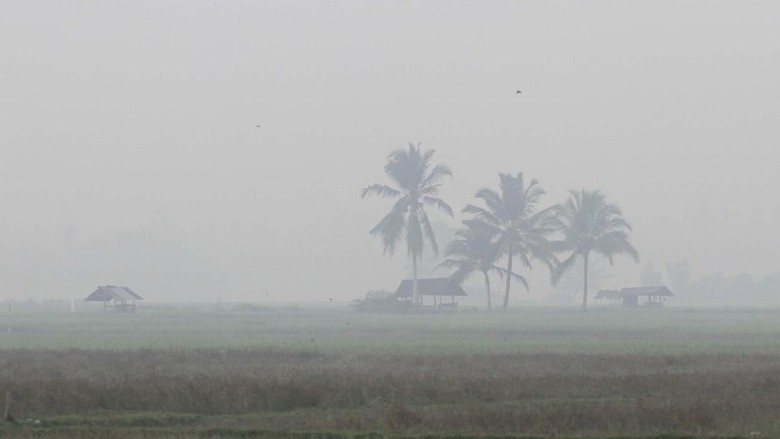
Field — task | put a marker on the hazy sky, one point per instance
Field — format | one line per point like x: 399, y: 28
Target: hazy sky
x: 130, y: 152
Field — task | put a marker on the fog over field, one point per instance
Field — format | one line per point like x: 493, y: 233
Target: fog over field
x: 201, y: 149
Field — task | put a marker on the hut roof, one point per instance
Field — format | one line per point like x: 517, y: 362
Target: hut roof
x: 646, y: 291
x: 608, y: 294
x: 111, y: 292
x: 443, y: 286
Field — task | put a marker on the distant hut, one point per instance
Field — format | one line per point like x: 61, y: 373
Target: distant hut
x: 653, y: 296
x: 435, y: 288
x: 609, y: 297
x: 118, y: 298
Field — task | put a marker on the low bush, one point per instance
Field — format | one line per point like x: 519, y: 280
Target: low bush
x: 381, y: 301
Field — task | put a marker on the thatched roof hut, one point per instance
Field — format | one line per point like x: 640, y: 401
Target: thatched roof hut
x: 433, y: 287
x: 119, y: 298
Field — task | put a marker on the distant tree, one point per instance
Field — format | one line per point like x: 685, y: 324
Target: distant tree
x: 588, y: 224
x: 380, y: 301
x: 474, y: 250
x: 519, y: 227
x: 417, y: 183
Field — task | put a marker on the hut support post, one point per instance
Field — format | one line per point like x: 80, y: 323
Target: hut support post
x: 415, y: 294
x: 585, y: 284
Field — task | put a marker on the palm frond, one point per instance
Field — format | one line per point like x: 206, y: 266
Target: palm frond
x: 563, y: 267
x: 439, y: 204
x: 428, y: 231
x: 430, y: 190
x: 434, y: 177
x: 381, y: 190
x: 392, y: 226
x: 462, y: 268
x: 615, y: 243
x: 482, y: 214
x: 494, y: 202
x: 516, y: 277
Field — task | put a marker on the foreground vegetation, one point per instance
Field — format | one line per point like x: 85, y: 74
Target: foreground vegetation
x: 182, y: 372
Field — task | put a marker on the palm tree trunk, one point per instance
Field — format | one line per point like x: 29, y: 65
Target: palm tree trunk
x: 585, y: 286
x: 487, y: 290
x: 508, y: 278
x: 415, y: 295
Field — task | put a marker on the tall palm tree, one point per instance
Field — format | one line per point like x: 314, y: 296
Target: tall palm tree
x: 519, y: 226
x: 588, y: 224
x: 417, y: 183
x: 473, y: 250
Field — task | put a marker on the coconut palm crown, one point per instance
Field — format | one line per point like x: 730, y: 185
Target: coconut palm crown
x: 417, y: 183
x: 474, y: 250
x: 589, y: 224
x: 515, y: 219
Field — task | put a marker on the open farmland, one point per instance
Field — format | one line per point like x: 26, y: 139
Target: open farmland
x: 198, y: 371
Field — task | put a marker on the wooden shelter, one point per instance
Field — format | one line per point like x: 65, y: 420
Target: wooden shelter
x: 118, y: 298
x: 432, y: 287
x: 653, y: 296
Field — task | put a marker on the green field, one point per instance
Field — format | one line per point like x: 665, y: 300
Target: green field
x: 199, y: 371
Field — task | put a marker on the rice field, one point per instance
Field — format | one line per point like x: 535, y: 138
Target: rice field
x: 208, y: 371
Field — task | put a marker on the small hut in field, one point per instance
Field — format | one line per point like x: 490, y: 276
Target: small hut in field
x: 645, y: 296
x: 118, y: 298
x: 437, y: 289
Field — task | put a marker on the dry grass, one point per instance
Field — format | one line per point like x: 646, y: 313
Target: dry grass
x: 180, y: 372
x: 485, y: 393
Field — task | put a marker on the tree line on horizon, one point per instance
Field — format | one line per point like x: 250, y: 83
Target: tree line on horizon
x: 506, y: 225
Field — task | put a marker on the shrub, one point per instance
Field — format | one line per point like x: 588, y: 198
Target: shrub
x: 381, y: 301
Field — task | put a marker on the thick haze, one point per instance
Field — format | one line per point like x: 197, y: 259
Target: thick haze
x: 131, y: 156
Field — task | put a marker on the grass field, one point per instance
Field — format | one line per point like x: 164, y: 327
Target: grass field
x: 196, y: 371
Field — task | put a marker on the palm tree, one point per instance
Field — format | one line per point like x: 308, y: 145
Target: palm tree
x: 570, y: 283
x: 417, y: 187
x: 474, y: 249
x: 589, y: 224
x: 513, y: 217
